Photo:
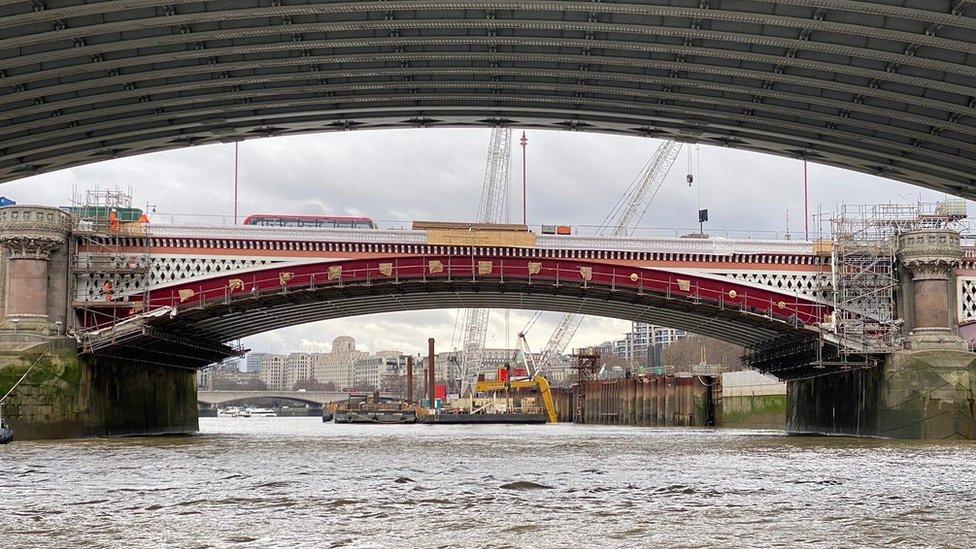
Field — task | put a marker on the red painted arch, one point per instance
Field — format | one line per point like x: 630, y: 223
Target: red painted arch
x: 724, y: 293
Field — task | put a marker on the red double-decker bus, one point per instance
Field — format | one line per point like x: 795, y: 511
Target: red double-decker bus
x: 312, y: 221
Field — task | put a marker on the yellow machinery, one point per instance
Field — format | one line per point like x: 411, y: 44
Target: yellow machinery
x: 537, y: 382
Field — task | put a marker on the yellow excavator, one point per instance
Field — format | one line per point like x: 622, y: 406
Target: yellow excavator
x: 537, y: 382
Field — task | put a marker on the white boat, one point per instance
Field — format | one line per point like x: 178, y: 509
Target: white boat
x: 232, y: 411
x: 260, y: 412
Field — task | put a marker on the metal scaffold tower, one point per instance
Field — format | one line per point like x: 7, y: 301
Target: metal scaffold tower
x: 103, y: 219
x: 863, y: 275
x: 490, y: 209
x: 621, y: 221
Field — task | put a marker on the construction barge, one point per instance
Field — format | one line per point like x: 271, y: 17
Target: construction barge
x: 511, y: 408
x: 511, y: 418
x: 402, y: 417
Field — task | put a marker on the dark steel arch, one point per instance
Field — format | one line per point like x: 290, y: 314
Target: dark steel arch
x: 862, y: 84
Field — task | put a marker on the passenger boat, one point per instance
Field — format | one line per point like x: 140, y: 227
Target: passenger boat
x: 259, y: 412
x: 230, y: 411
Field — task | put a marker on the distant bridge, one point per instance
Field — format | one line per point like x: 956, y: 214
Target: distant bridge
x: 310, y: 397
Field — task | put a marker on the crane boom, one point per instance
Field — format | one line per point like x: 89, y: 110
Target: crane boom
x: 493, y: 194
x: 644, y: 190
x: 495, y: 187
x: 627, y: 216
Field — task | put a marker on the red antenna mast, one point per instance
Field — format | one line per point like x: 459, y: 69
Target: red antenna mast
x: 525, y: 217
x: 236, y: 150
x: 806, y: 203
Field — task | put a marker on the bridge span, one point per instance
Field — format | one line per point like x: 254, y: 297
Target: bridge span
x: 213, y: 285
x: 865, y: 331
x: 219, y: 398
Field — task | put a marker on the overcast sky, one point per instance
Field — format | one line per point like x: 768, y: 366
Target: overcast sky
x: 574, y: 178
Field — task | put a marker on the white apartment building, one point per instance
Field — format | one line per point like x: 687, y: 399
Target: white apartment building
x: 339, y: 365
x: 666, y: 336
x: 642, y: 336
x: 255, y: 361
x: 273, y: 373
x: 298, y: 367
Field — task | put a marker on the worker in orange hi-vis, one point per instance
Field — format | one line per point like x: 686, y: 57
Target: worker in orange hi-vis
x: 108, y: 290
x: 113, y: 221
x: 143, y: 219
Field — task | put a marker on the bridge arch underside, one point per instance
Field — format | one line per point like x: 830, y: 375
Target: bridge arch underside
x: 192, y: 337
x: 867, y: 85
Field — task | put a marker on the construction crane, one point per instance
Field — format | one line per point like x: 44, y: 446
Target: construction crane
x: 528, y: 361
x: 622, y: 221
x: 493, y: 195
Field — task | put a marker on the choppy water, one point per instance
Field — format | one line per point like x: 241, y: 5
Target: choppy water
x: 265, y: 482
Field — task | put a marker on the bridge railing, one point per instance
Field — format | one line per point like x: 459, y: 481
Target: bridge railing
x: 794, y: 307
x: 219, y: 220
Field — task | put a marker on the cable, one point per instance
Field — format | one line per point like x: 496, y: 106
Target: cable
x: 36, y: 361
x: 531, y: 322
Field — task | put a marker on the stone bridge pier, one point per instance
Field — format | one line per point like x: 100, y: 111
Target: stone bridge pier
x: 925, y: 391
x: 67, y: 395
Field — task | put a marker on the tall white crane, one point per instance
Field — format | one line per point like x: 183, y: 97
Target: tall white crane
x: 493, y: 195
x: 625, y: 216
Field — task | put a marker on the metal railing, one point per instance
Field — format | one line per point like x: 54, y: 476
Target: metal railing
x: 219, y: 220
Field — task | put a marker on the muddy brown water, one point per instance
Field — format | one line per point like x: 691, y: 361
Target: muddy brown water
x: 296, y: 482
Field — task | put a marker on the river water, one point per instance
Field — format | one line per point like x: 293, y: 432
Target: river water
x: 296, y: 482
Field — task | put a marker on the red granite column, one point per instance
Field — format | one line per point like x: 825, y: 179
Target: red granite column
x: 28, y: 236
x: 931, y: 256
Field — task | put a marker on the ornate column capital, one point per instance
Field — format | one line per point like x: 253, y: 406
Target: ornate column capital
x: 930, y: 254
x: 30, y: 246
x: 32, y: 232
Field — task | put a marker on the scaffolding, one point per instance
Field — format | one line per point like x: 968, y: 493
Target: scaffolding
x: 587, y: 365
x: 113, y: 257
x: 863, y: 271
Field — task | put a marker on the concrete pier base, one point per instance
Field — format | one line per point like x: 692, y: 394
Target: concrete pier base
x: 927, y: 394
x: 66, y: 396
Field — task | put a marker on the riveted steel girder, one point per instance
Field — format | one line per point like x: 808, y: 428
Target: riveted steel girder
x: 866, y: 85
